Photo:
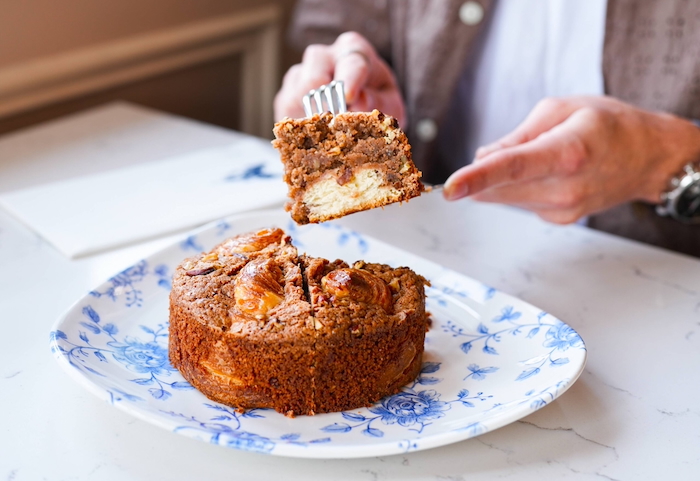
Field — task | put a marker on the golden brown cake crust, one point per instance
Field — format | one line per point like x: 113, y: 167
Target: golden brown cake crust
x: 363, y: 352
x: 346, y: 149
x: 301, y: 335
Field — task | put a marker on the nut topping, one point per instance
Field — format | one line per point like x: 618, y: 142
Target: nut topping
x: 359, y: 285
x: 200, y: 272
x: 211, y: 257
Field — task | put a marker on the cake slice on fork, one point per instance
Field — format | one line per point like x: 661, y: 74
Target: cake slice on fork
x: 337, y: 165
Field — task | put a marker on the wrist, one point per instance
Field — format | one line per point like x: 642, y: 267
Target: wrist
x: 679, y: 141
x: 681, y: 197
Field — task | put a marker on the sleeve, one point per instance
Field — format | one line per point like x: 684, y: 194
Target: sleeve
x: 321, y: 21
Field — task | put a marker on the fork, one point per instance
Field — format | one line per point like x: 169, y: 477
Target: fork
x: 334, y: 95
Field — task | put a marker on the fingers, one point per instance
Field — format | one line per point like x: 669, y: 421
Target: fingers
x: 553, y: 175
x: 316, y: 69
x: 354, y: 60
x: 354, y: 70
x: 287, y: 103
x: 388, y: 101
x: 543, y: 117
x: 556, y: 200
x: 552, y: 193
x: 369, y: 82
x: 352, y: 51
x: 561, y: 151
x: 318, y: 65
x: 550, y: 155
x: 567, y: 160
x: 365, y: 101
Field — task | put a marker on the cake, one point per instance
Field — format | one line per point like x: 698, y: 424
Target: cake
x: 253, y: 324
x: 335, y: 166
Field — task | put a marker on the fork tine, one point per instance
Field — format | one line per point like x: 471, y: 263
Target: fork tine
x: 329, y: 98
x: 339, y: 88
x: 306, y: 100
x: 319, y: 100
x: 334, y: 94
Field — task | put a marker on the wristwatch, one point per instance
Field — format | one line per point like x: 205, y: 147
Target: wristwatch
x: 682, y: 200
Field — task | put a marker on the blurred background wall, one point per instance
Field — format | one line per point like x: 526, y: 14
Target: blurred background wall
x: 219, y: 61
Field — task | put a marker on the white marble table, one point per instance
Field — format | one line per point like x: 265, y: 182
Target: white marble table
x: 633, y: 414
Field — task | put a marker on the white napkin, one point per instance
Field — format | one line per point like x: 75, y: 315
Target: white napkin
x: 89, y: 214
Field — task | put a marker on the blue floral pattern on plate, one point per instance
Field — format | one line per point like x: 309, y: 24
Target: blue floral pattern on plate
x: 490, y: 358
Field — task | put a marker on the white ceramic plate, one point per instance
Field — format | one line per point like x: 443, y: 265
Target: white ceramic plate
x: 490, y: 358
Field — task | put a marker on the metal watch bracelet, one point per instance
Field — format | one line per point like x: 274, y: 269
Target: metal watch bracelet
x: 682, y: 200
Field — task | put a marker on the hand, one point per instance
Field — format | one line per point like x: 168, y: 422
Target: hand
x: 572, y: 157
x: 369, y: 82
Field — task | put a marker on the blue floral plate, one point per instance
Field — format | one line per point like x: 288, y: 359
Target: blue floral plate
x: 490, y: 358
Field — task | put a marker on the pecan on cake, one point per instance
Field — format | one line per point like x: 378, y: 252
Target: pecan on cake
x: 255, y: 325
x: 335, y: 166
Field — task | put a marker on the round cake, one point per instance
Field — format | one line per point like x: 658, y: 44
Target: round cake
x: 253, y: 324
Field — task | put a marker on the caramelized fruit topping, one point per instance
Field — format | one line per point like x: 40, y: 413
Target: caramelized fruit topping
x: 255, y: 241
x: 259, y: 287
x: 359, y: 285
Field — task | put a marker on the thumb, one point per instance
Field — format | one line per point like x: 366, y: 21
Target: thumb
x: 547, y: 114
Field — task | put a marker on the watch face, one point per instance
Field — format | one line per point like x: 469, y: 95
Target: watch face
x: 688, y: 203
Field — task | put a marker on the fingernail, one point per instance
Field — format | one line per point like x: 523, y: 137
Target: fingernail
x: 485, y: 150
x: 454, y: 192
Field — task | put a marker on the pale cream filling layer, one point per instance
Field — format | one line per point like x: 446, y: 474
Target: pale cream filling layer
x: 328, y: 198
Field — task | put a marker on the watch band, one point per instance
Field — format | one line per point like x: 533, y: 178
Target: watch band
x: 682, y: 200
